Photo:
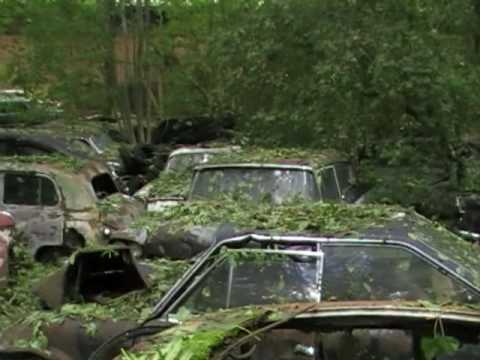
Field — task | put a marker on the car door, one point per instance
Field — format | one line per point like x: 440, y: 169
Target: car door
x: 35, y: 203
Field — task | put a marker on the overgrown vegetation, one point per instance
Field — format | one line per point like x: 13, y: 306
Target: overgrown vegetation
x: 63, y: 162
x: 337, y: 73
x: 19, y: 305
x: 317, y: 217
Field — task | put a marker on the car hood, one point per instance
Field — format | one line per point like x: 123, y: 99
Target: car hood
x: 210, y: 329
x: 118, y: 211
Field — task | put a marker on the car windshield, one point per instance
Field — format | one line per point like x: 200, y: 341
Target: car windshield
x: 275, y: 185
x: 336, y: 273
x: 182, y: 162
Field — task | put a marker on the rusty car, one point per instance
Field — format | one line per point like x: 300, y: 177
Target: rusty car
x: 50, y: 140
x: 55, y: 200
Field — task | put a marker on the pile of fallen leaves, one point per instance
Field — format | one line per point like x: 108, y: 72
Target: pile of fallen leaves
x: 316, y: 159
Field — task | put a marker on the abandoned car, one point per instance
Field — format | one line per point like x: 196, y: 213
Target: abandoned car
x: 325, y: 177
x: 7, y: 226
x: 54, y: 200
x: 295, y: 295
x: 312, y: 295
x: 307, y: 296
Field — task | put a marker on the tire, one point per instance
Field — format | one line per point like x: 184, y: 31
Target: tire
x: 72, y: 240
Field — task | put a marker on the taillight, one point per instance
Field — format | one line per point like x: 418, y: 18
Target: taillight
x: 6, y: 220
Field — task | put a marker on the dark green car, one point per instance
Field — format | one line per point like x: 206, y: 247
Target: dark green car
x: 356, y: 283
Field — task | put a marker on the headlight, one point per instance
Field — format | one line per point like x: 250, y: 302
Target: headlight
x: 107, y: 232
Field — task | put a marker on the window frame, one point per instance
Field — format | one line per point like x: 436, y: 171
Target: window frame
x: 339, y: 192
x: 35, y: 174
x: 211, y: 260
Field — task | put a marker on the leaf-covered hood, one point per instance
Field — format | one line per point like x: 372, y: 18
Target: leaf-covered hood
x: 119, y: 210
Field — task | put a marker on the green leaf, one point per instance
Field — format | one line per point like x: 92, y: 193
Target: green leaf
x: 440, y: 345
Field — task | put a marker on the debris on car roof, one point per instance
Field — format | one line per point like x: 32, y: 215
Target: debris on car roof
x: 54, y: 161
x: 315, y: 158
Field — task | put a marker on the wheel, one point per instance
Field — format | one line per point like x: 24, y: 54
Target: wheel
x: 50, y: 253
x: 73, y: 240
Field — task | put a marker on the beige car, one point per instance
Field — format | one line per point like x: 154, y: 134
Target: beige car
x: 54, y: 200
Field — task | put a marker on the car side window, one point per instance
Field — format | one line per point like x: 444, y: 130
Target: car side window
x: 386, y: 273
x: 23, y: 189
x: 328, y: 185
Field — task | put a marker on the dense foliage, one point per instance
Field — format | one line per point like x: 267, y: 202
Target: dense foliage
x: 343, y: 73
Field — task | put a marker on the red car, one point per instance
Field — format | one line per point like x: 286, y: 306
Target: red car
x: 7, y: 224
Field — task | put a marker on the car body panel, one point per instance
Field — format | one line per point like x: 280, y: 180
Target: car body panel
x: 76, y: 208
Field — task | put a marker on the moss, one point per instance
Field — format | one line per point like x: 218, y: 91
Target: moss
x: 29, y: 162
x: 170, y: 183
x: 252, y: 154
x: 295, y: 217
x: 197, y: 338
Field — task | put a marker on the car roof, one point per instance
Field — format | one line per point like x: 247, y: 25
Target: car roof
x: 315, y: 158
x: 44, y: 140
x: 55, y: 165
x: 199, y: 150
x: 361, y: 222
x: 405, y: 229
x: 278, y: 165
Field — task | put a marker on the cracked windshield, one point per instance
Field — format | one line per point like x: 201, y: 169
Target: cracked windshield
x: 239, y: 180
